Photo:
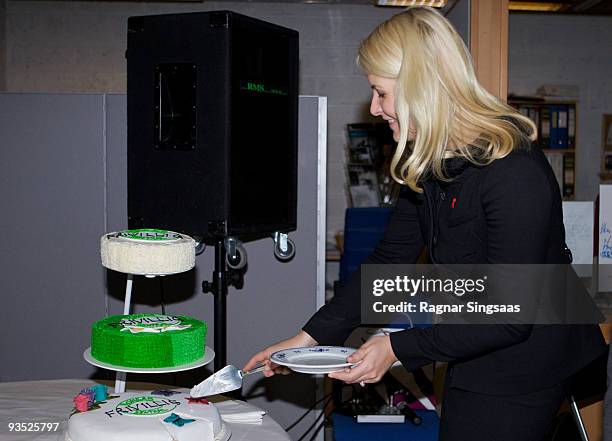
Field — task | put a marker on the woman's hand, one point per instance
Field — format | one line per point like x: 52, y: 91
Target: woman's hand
x: 375, y: 357
x: 302, y: 339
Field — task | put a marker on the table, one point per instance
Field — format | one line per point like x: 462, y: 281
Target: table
x: 50, y: 401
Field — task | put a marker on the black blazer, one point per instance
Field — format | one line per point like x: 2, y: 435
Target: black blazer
x: 506, y: 212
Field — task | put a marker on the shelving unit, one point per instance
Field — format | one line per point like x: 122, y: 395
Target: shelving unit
x: 557, y: 125
x: 370, y: 147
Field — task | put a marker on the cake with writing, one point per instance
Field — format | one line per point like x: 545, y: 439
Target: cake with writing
x: 148, y: 340
x: 160, y: 415
x: 147, y: 252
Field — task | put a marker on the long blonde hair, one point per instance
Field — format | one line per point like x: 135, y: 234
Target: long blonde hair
x: 436, y: 88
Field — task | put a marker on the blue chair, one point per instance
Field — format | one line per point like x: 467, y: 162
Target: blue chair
x: 363, y: 229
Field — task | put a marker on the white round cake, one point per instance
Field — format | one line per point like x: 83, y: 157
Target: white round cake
x: 149, y: 416
x: 147, y: 252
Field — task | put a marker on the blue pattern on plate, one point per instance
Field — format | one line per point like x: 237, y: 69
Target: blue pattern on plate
x: 314, y: 360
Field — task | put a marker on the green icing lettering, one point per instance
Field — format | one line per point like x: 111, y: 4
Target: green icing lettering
x: 149, y: 234
x: 145, y: 405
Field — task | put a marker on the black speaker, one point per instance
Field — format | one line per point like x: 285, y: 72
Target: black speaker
x: 212, y: 125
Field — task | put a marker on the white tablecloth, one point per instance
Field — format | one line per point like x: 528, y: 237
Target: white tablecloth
x: 50, y: 401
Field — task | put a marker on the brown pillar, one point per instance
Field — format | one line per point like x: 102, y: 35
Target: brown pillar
x: 489, y: 44
x: 2, y: 45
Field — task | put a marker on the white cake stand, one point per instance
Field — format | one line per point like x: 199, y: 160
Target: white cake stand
x: 128, y: 287
x: 209, y: 354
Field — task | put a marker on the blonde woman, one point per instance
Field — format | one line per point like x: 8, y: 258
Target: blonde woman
x: 475, y: 192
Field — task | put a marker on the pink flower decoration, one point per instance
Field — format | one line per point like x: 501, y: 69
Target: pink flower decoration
x: 81, y: 403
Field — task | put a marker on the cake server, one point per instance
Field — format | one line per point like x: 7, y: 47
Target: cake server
x: 225, y: 380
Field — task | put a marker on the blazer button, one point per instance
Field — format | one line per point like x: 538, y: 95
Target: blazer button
x: 435, y: 240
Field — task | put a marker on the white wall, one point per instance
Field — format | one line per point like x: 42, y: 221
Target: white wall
x: 79, y: 47
x: 63, y: 167
x: 567, y: 49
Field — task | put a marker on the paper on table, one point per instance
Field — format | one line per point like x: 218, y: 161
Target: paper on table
x: 239, y: 412
x: 578, y: 218
x: 246, y: 418
x: 605, y: 238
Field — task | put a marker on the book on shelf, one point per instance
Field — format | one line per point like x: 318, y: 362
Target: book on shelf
x: 532, y: 112
x: 544, y: 128
x: 563, y: 166
x: 558, y: 126
x: 571, y: 126
x: 555, y: 160
x: 607, y: 162
x: 568, y: 176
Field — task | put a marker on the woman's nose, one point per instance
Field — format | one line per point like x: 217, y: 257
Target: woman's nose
x: 375, y: 109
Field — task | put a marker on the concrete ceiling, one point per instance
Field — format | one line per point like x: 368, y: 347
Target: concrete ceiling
x: 591, y: 7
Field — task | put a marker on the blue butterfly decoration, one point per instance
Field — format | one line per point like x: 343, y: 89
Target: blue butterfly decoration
x: 177, y: 420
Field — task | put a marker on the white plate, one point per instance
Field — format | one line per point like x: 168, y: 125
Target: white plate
x: 209, y: 356
x: 314, y: 360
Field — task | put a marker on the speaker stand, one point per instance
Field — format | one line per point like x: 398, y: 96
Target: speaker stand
x: 218, y: 288
x: 221, y: 279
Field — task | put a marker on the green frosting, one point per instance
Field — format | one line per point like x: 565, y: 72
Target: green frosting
x: 172, y: 341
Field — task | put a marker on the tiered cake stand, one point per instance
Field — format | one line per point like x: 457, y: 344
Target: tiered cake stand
x: 122, y: 371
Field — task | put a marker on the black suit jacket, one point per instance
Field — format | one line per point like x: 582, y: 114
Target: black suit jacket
x: 506, y: 212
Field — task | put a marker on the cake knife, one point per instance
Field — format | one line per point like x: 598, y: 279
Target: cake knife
x: 225, y: 380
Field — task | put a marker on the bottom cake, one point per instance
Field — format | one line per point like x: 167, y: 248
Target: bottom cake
x: 145, y: 416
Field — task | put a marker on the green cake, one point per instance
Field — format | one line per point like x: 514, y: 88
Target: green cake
x: 148, y: 340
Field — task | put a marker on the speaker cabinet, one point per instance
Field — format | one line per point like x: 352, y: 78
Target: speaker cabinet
x: 212, y: 125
